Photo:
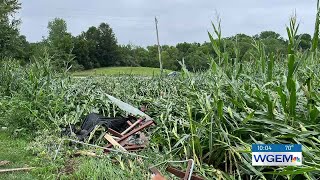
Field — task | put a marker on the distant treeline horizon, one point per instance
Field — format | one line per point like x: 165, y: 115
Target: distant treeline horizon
x: 98, y: 47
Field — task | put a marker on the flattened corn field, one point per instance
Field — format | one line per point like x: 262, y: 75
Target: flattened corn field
x: 212, y: 117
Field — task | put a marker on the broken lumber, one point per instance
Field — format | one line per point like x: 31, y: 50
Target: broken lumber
x: 114, y: 132
x: 16, y: 169
x: 114, y: 142
x: 129, y: 123
x: 124, y: 137
x: 132, y: 126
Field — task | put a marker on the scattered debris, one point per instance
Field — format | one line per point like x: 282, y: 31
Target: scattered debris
x: 114, y: 142
x: 123, y: 141
x: 131, y: 138
x: 16, y: 169
x: 96, y: 146
x: 128, y: 108
x: 126, y: 130
x: 2, y: 163
x: 188, y: 175
x: 124, y: 133
x: 93, y: 120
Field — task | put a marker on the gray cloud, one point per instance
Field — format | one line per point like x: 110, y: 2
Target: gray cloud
x: 179, y: 20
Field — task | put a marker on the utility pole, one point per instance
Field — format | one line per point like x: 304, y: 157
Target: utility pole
x: 159, y: 48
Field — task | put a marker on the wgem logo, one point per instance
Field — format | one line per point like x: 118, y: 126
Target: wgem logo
x: 276, y: 155
x: 276, y: 158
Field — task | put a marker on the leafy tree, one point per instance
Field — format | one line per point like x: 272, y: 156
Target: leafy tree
x: 268, y: 34
x: 273, y: 42
x: 12, y: 44
x: 170, y: 56
x: 274, y: 45
x: 140, y: 55
x: 100, y: 47
x: 196, y: 61
x: 305, y: 41
x: 81, y: 51
x: 132, y: 55
x: 152, y: 60
x: 183, y: 47
x: 107, y: 48
x: 60, y: 43
x: 127, y: 56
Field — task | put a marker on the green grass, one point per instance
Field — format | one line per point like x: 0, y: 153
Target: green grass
x: 100, y: 168
x: 12, y: 149
x: 143, y: 71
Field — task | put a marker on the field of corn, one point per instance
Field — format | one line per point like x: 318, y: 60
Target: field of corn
x: 212, y: 117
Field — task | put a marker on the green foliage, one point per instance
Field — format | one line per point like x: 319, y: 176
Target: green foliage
x: 13, y: 150
x: 117, y: 71
x: 60, y: 44
x: 305, y: 41
x: 292, y: 66
x: 97, y: 47
x: 315, y: 40
x: 268, y: 35
x: 102, y: 168
x: 206, y: 116
x: 12, y: 44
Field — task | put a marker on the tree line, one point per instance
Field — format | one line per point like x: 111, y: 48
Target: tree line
x: 98, y: 47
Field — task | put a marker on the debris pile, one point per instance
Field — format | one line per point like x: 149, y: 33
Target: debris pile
x: 124, y: 133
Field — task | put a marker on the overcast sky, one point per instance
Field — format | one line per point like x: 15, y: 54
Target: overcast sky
x: 179, y: 20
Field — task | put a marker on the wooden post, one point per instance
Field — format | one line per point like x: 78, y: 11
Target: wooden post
x: 159, y: 48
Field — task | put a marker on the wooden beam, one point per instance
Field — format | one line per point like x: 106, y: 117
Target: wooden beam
x: 134, y: 147
x: 114, y: 132
x: 132, y: 126
x: 16, y: 169
x: 114, y: 142
x: 129, y: 123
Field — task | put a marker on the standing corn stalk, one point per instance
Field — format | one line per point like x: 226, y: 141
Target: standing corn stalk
x: 159, y: 50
